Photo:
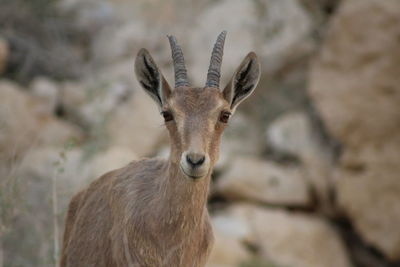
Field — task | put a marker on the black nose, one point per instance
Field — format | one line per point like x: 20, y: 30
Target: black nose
x: 195, y: 160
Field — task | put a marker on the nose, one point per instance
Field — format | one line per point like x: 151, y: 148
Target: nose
x: 195, y: 159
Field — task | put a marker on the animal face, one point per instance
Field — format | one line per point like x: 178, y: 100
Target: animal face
x: 196, y: 116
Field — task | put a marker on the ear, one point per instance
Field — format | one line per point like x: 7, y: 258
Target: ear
x: 244, y: 81
x: 150, y: 78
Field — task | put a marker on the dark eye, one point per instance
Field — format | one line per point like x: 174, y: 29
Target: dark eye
x: 224, y: 117
x: 167, y: 116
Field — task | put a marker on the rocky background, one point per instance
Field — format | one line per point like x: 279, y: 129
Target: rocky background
x: 309, y: 174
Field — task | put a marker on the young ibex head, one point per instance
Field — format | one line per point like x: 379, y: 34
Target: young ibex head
x: 196, y: 117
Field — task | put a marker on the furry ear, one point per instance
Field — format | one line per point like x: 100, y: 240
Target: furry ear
x: 244, y: 81
x: 150, y: 78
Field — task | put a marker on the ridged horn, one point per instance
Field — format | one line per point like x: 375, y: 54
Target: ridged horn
x: 179, y: 63
x: 214, y: 70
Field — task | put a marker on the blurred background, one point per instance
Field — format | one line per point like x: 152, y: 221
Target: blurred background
x: 309, y: 174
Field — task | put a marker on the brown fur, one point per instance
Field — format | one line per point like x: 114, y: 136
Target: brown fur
x: 148, y: 213
x: 151, y: 213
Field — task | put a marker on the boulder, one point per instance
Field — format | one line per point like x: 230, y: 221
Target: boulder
x: 355, y: 85
x: 26, y: 122
x: 123, y: 41
x: 116, y: 110
x: 368, y: 192
x: 137, y: 125
x: 292, y: 134
x: 356, y: 88
x: 30, y: 220
x: 258, y: 26
x: 241, y: 137
x: 240, y: 38
x: 90, y: 16
x: 284, y: 33
x: 47, y: 92
x: 91, y: 101
x: 110, y: 159
x: 118, y: 29
x: 28, y: 239
x: 263, y: 181
x: 228, y: 249
x: 31, y: 139
x: 292, y: 239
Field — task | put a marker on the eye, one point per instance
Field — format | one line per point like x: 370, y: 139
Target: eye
x: 224, y: 116
x: 167, y: 116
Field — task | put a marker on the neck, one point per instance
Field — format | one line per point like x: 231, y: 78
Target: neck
x: 183, y: 199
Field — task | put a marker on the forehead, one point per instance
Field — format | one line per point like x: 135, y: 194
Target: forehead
x: 188, y: 99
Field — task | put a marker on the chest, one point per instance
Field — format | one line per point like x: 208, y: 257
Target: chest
x: 172, y: 243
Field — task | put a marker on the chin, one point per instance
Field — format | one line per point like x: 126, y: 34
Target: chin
x: 193, y: 175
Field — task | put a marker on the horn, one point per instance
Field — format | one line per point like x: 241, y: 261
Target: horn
x: 214, y: 70
x: 179, y: 63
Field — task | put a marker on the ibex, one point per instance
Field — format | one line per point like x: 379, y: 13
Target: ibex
x: 153, y: 212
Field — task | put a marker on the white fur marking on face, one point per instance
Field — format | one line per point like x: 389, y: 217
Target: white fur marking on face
x: 220, y: 104
x: 179, y: 118
x: 180, y: 126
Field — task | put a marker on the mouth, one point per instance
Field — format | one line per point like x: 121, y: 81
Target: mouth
x: 194, y: 177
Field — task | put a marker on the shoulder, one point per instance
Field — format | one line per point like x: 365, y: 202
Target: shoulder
x: 143, y: 165
x: 138, y: 172
x: 137, y: 168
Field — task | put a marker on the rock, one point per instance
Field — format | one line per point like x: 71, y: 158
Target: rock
x: 4, y: 53
x: 241, y: 137
x: 234, y: 227
x: 120, y: 28
x: 31, y: 140
x: 90, y: 102
x: 29, y: 186
x: 240, y: 38
x: 362, y: 81
x: 47, y: 92
x: 292, y: 134
x: 73, y: 166
x: 368, y: 191
x: 111, y: 159
x: 25, y: 123
x: 58, y: 133
x: 115, y: 109
x: 32, y: 179
x: 256, y: 180
x: 117, y: 43
x: 356, y: 87
x: 137, y: 125
x: 72, y: 98
x: 226, y: 252
x: 228, y: 249
x: 292, y: 239
x: 258, y: 26
x: 88, y: 15
x: 69, y: 165
x: 14, y: 105
x: 283, y: 38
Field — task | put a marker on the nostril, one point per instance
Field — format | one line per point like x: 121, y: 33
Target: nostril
x: 201, y: 160
x: 195, y: 159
